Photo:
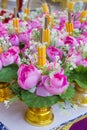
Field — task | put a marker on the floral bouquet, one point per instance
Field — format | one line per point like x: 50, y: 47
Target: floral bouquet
x: 38, y: 78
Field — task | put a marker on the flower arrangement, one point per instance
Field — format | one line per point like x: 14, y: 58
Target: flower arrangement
x: 65, y: 58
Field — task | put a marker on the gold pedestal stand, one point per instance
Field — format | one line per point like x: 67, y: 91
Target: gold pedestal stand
x: 39, y: 116
x: 81, y: 96
x: 5, y: 92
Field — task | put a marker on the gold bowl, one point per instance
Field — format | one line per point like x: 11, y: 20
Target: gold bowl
x: 81, y: 96
x: 5, y: 92
x: 39, y: 116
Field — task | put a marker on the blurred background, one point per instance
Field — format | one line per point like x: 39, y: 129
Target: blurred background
x: 10, y: 4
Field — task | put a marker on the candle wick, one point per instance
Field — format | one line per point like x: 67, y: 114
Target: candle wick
x: 69, y: 16
x: 15, y: 12
x: 49, y: 8
x: 41, y: 35
x: 46, y: 23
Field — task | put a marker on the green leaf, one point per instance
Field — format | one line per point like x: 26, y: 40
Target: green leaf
x: 79, y: 75
x: 69, y: 94
x: 15, y: 89
x: 8, y: 73
x: 81, y: 84
x: 34, y: 101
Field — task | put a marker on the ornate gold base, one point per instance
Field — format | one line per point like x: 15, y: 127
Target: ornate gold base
x: 81, y: 96
x: 39, y: 116
x: 5, y: 92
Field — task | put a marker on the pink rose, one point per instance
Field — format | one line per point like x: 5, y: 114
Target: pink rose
x: 84, y: 63
x: 56, y: 84
x: 52, y: 52
x: 70, y: 40
x: 3, y: 30
x: 74, y: 57
x: 14, y: 40
x: 0, y: 65
x: 28, y: 76
x: 59, y: 42
x: 41, y: 90
x: 62, y: 23
x: 24, y: 37
x: 36, y: 24
x: 77, y: 24
x: 84, y: 25
x: 10, y: 56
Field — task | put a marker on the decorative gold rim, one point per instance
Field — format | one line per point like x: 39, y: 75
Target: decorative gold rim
x: 79, y: 89
x: 81, y: 96
x: 39, y: 116
x: 5, y: 92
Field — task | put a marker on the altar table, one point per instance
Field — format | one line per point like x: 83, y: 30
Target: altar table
x: 13, y: 117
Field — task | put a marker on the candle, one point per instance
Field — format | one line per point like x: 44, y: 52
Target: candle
x: 83, y: 14
x: 16, y: 21
x: 27, y: 11
x: 41, y: 55
x: 46, y: 32
x: 1, y: 50
x: 45, y: 8
x: 69, y: 24
x: 70, y: 6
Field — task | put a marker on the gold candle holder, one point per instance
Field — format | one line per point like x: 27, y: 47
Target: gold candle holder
x: 81, y: 96
x: 39, y: 116
x: 5, y: 92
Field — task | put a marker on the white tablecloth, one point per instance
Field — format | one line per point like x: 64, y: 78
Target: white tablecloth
x: 13, y: 117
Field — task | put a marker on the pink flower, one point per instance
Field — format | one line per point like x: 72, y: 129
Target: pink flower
x: 77, y: 24
x: 70, y: 40
x: 28, y: 76
x: 56, y: 84
x: 60, y: 42
x: 36, y: 24
x: 84, y: 63
x: 84, y: 25
x: 74, y: 57
x: 14, y: 40
x: 52, y: 52
x: 0, y: 65
x: 10, y: 56
x: 24, y: 37
x: 62, y: 23
x: 41, y: 90
x: 3, y: 30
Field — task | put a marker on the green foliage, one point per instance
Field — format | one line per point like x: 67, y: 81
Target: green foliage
x: 15, y: 89
x: 69, y: 94
x: 8, y: 73
x: 32, y: 100
x: 37, y: 35
x: 79, y: 75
